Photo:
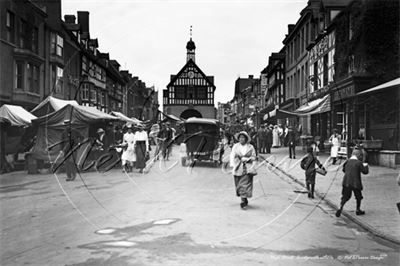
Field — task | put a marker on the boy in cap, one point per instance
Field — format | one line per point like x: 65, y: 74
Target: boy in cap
x: 352, y: 181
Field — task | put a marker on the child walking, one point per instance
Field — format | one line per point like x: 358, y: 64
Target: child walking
x: 308, y: 164
x: 352, y: 181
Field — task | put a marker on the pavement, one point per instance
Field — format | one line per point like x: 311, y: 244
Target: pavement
x: 381, y: 191
x: 174, y: 215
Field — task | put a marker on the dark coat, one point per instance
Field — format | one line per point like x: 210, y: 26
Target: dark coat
x: 352, y: 173
x: 291, y: 137
x: 70, y: 139
x: 269, y: 136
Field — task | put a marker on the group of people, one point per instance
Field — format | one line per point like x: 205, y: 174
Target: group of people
x: 135, y: 149
x: 243, y: 157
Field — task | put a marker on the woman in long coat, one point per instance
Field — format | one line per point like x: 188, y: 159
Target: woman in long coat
x: 335, y: 141
x: 141, y: 143
x: 241, y: 159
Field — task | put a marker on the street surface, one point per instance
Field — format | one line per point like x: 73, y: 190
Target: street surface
x: 175, y: 216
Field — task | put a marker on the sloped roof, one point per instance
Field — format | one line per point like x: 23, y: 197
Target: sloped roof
x: 188, y: 63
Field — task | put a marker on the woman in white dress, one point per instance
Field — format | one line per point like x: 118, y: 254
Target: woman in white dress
x: 128, y: 157
x: 275, y: 137
x: 335, y: 140
x: 242, y: 157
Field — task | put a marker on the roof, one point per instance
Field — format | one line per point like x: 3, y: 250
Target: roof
x: 15, y: 115
x: 386, y: 85
x: 191, y: 62
x: 77, y: 114
x: 51, y: 104
x: 195, y: 120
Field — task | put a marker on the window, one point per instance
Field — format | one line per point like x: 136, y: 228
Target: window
x: 10, y: 26
x: 202, y: 93
x: 35, y: 40
x: 93, y: 96
x: 32, y: 78
x: 190, y: 93
x: 180, y: 93
x: 84, y: 64
x: 85, y: 92
x: 350, y: 27
x: 326, y: 74
x: 56, y: 78
x: 22, y: 34
x: 19, y: 75
x: 315, y: 77
x: 57, y: 44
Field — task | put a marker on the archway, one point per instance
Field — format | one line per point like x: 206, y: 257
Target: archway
x: 190, y: 113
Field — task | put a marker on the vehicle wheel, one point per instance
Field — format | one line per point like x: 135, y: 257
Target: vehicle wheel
x: 183, y: 161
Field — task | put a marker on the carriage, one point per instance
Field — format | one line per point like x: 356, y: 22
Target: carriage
x: 201, y: 141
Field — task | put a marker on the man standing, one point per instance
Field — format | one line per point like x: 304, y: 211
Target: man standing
x: 262, y: 137
x: 165, y: 136
x: 291, y: 142
x: 269, y: 139
x: 70, y: 140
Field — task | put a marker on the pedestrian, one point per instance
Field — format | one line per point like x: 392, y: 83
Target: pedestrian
x: 242, y: 159
x: 352, y: 169
x: 281, y: 135
x: 308, y: 164
x: 269, y: 139
x: 165, y: 137
x: 141, y: 144
x: 275, y: 137
x: 70, y: 140
x: 100, y: 140
x: 291, y: 142
x: 262, y: 139
x: 335, y: 140
x: 128, y: 157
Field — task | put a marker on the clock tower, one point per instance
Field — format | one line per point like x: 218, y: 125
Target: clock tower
x: 190, y: 93
x: 190, y: 48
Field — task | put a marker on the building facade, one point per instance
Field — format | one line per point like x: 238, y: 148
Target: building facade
x: 190, y: 93
x: 22, y: 53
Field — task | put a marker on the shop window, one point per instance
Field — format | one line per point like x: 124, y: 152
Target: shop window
x: 10, y: 26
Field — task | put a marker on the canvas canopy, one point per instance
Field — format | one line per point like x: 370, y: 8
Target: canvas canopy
x: 15, y: 115
x: 123, y: 117
x: 51, y: 127
x: 51, y: 104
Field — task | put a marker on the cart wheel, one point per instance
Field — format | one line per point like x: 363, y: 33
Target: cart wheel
x: 183, y: 161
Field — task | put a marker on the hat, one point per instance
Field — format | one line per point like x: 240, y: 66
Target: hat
x: 67, y: 121
x: 100, y: 130
x: 243, y: 133
x: 129, y: 125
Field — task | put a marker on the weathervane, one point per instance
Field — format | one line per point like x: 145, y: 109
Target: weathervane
x: 190, y: 31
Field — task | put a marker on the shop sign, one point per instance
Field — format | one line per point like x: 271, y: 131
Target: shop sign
x: 343, y: 93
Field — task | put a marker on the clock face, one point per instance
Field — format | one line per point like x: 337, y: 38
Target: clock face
x: 191, y: 74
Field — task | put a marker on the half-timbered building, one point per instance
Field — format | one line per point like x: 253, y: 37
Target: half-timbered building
x: 190, y: 93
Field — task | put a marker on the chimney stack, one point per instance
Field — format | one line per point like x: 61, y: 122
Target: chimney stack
x: 69, y: 19
x: 251, y: 76
x: 83, y: 20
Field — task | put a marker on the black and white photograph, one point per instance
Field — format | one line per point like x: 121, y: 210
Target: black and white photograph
x: 199, y: 132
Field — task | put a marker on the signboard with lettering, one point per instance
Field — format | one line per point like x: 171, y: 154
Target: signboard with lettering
x: 343, y: 93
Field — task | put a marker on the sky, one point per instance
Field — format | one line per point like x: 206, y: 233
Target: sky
x: 233, y: 38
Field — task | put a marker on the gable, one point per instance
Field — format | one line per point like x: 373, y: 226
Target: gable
x: 199, y: 75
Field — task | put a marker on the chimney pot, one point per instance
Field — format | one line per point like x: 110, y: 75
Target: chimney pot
x: 69, y: 19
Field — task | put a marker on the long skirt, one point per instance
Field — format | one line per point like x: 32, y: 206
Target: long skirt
x: 244, y: 186
x: 128, y: 156
x: 140, y: 151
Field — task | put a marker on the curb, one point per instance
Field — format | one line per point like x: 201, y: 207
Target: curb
x: 355, y: 220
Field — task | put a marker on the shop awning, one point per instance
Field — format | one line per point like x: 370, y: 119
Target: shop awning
x: 125, y: 118
x: 317, y: 106
x: 386, y: 85
x: 279, y: 113
x: 15, y: 115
